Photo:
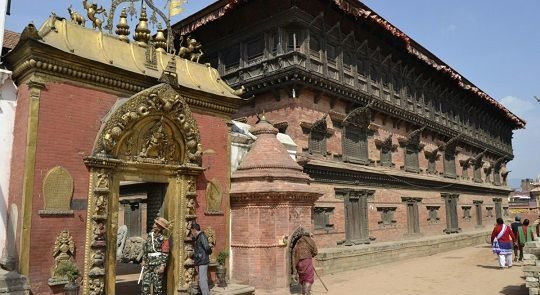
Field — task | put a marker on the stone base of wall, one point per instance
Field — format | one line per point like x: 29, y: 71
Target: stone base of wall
x: 531, y: 267
x: 13, y: 283
x: 339, y: 259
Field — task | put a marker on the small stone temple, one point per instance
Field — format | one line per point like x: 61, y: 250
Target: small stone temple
x: 270, y: 197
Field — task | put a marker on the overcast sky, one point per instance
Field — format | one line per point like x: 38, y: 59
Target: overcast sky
x: 493, y: 43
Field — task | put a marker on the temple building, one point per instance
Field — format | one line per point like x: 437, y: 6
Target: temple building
x: 400, y: 144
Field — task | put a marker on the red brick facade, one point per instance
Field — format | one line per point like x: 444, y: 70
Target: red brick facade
x: 69, y: 121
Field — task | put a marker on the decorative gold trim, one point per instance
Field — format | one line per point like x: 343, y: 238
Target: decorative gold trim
x: 35, y: 86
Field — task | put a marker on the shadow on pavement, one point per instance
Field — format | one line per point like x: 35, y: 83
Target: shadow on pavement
x: 515, y: 290
x: 489, y: 266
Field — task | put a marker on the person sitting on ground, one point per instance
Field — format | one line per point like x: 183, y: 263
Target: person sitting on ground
x: 525, y: 234
x: 502, y: 239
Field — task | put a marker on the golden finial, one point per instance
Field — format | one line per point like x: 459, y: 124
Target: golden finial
x: 160, y: 41
x: 122, y: 28
x: 142, y: 33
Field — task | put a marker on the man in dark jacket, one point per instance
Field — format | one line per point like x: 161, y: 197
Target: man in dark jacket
x: 202, y: 249
x: 515, y: 228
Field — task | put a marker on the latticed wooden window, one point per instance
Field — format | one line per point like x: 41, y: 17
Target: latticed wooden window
x: 411, y: 159
x: 317, y: 142
x: 387, y: 216
x: 322, y: 217
x: 489, y: 211
x: 317, y: 137
x: 450, y: 201
x: 450, y: 164
x: 433, y: 214
x: 478, y: 207
x: 355, y: 146
x: 466, y: 212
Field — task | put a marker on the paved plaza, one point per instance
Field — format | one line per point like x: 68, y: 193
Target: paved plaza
x: 471, y: 270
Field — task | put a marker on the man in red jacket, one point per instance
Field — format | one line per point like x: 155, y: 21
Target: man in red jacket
x: 502, y: 239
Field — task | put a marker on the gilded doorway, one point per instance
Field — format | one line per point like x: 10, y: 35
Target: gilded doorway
x: 150, y: 137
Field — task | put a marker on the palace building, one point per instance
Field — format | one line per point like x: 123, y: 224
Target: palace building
x: 400, y: 144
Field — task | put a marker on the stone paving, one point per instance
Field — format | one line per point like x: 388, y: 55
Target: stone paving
x: 467, y: 271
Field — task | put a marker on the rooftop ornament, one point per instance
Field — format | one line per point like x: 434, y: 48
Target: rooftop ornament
x: 154, y: 12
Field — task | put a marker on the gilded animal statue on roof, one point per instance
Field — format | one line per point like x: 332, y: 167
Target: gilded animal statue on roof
x: 93, y: 11
x: 75, y: 16
x: 193, y: 51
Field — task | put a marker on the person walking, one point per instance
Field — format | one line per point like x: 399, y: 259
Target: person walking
x: 525, y: 234
x: 202, y: 249
x: 515, y: 226
x: 304, y: 250
x: 154, y: 260
x: 502, y: 239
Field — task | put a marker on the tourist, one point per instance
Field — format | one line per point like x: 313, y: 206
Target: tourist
x: 515, y: 226
x: 304, y: 250
x: 202, y: 250
x: 154, y: 261
x: 502, y: 239
x: 525, y: 234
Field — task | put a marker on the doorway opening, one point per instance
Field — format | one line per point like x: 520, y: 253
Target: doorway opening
x: 139, y: 205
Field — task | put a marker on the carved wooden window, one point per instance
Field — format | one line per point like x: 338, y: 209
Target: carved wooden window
x: 295, y: 39
x: 356, y: 215
x: 498, y: 207
x: 314, y: 45
x: 274, y: 43
x: 432, y: 159
x: 322, y: 217
x: 450, y: 164
x: 489, y: 211
x: 386, y: 157
x: 387, y: 216
x: 433, y: 214
x: 331, y: 53
x: 411, y: 159
x: 466, y: 212
x: 413, y: 218
x: 255, y: 48
x: 317, y: 137
x: 478, y: 207
x: 477, y: 173
x: 411, y: 146
x: 132, y: 217
x: 231, y: 57
x: 450, y: 201
x: 355, y: 145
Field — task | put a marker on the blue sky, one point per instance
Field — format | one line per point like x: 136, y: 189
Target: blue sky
x: 494, y: 44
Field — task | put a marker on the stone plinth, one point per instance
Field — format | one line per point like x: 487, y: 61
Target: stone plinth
x: 531, y: 266
x: 270, y: 198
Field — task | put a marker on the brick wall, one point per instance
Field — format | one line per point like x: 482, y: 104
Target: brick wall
x: 69, y: 120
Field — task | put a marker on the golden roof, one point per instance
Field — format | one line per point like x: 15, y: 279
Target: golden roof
x: 109, y: 49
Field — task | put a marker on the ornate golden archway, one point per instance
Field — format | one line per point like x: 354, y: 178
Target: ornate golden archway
x: 151, y: 136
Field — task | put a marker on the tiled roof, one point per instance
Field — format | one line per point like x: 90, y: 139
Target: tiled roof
x: 10, y: 39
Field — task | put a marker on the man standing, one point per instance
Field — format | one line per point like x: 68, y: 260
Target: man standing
x: 154, y: 261
x: 202, y: 249
x: 304, y: 250
x: 515, y: 228
x: 525, y: 234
